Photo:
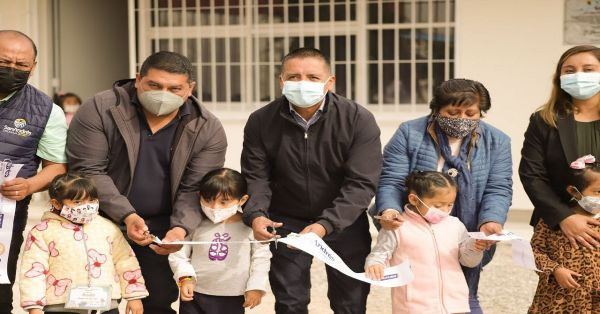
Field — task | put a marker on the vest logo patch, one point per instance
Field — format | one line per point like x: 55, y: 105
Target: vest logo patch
x: 19, y: 124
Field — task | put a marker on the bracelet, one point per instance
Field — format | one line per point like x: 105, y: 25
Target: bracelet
x: 182, y: 279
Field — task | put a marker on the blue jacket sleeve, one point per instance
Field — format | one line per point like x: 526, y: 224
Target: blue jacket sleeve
x: 396, y: 167
x: 497, y: 194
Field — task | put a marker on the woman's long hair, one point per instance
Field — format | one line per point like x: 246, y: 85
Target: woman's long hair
x: 560, y: 102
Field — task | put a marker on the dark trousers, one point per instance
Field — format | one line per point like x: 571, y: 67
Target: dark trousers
x: 290, y: 269
x: 212, y: 304
x: 6, y: 294
x: 159, y: 279
x: 472, y: 276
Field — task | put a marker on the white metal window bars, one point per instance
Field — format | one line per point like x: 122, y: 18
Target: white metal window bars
x: 386, y: 54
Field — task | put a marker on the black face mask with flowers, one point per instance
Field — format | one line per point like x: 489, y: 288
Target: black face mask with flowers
x: 456, y: 127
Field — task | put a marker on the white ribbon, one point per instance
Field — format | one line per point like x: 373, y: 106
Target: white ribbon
x: 8, y: 171
x: 159, y: 242
x: 312, y: 244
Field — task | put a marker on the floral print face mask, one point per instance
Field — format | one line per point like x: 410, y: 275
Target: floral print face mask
x: 456, y: 127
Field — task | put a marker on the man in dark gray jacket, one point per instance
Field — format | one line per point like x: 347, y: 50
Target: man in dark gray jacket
x: 146, y: 144
x: 312, y: 160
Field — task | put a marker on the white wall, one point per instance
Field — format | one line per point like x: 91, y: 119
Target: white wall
x: 93, y: 45
x: 512, y: 47
x: 32, y: 17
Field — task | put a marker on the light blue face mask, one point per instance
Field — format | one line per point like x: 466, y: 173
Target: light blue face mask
x: 581, y: 85
x: 304, y: 94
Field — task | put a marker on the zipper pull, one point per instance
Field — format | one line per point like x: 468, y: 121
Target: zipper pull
x: 305, y: 135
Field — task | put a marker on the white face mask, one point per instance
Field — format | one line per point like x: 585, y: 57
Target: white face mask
x: 159, y: 102
x: 80, y: 214
x: 581, y: 85
x: 304, y: 94
x: 434, y: 215
x: 221, y: 214
x: 70, y: 108
x: 590, y: 204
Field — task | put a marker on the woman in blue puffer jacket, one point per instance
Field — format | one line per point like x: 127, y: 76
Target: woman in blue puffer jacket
x: 452, y: 139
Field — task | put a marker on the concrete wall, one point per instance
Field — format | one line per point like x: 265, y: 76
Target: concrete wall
x: 32, y: 17
x: 511, y: 46
x: 93, y: 45
x: 92, y: 40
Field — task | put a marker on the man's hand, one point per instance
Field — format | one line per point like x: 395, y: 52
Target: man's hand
x: 315, y: 228
x: 577, y: 229
x: 16, y: 189
x: 260, y: 225
x: 374, y: 272
x: 565, y: 279
x: 390, y: 219
x: 175, y: 234
x: 186, y: 291
x: 252, y: 298
x: 137, y: 230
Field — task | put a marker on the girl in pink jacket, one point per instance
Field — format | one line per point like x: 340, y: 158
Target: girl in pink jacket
x: 435, y: 243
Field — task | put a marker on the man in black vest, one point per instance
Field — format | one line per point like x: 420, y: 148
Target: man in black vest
x: 33, y: 130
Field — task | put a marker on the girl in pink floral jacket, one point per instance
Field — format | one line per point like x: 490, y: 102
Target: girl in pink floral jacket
x: 73, y: 251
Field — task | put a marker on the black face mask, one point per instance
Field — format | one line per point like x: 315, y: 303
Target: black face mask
x: 12, y: 79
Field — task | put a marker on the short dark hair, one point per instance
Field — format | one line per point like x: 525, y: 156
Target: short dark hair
x: 580, y: 178
x: 306, y: 52
x: 73, y: 186
x: 62, y: 98
x: 424, y: 183
x: 460, y: 92
x: 168, y: 61
x: 226, y: 182
x: 21, y: 34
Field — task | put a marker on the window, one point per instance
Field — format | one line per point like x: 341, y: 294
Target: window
x: 386, y: 54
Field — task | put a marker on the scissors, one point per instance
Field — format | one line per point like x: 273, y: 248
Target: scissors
x: 156, y: 240
x: 274, y: 232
